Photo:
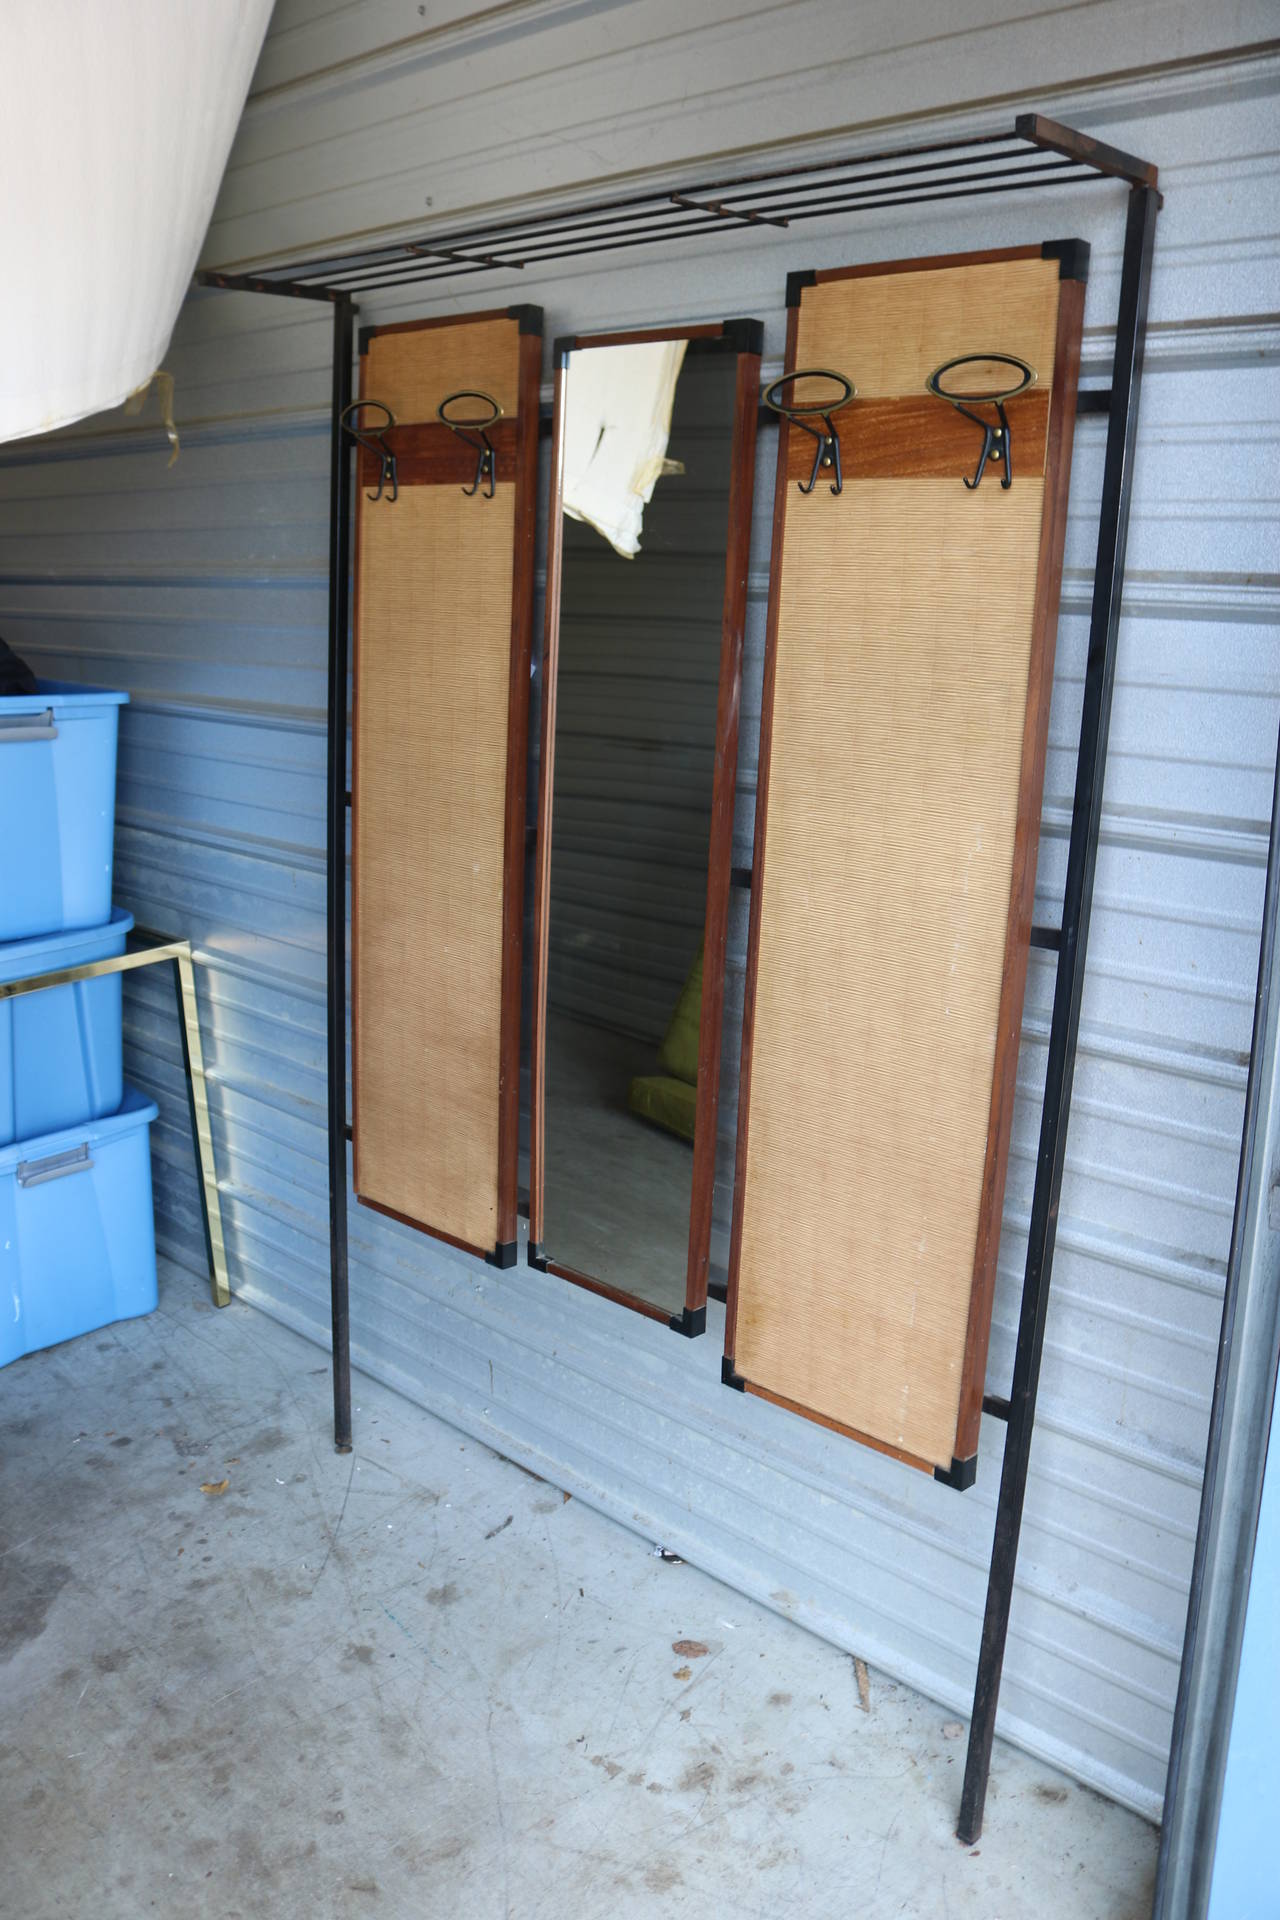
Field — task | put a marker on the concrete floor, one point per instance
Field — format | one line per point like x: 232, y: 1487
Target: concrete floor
x: 419, y: 1682
x: 617, y: 1189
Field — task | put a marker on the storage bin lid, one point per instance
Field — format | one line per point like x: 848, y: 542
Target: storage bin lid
x: 67, y: 696
x: 47, y: 952
x: 136, y: 1110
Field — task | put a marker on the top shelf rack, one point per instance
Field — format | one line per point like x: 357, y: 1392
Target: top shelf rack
x: 1037, y: 152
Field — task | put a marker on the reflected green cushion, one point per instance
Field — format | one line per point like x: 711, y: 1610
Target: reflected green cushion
x: 669, y: 1103
x: 678, y: 1054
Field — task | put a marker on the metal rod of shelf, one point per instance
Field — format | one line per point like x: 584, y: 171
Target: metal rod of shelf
x: 1035, y: 152
x: 1095, y: 719
x: 336, y: 865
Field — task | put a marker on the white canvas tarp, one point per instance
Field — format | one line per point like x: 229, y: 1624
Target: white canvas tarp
x: 117, y: 122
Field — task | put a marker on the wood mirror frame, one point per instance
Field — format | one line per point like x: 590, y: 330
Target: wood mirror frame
x: 742, y: 338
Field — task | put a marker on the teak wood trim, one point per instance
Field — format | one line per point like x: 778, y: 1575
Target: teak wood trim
x: 918, y: 437
x: 429, y: 454
x: 872, y: 270
x: 642, y: 336
x: 1017, y: 950
x: 546, y: 774
x: 838, y: 1426
x: 720, y: 838
x: 353, y: 735
x: 757, y: 854
x: 423, y: 1226
x: 619, y: 1295
x: 526, y: 482
x: 724, y: 782
x: 517, y: 465
x: 1057, y: 449
x: 428, y: 326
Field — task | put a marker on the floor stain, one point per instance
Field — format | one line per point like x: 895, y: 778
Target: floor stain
x: 29, y: 1589
x: 698, y: 1777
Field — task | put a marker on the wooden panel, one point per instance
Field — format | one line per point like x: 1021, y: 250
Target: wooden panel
x: 915, y: 437
x: 905, y: 711
x: 889, y: 330
x: 443, y: 614
x: 430, y: 454
x: 411, y: 369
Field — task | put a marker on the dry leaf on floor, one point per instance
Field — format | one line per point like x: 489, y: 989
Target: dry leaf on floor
x: 690, y: 1649
x: 863, y: 1679
x: 214, y: 1486
x: 683, y: 1673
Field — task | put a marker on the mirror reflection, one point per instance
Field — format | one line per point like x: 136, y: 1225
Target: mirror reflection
x: 648, y: 433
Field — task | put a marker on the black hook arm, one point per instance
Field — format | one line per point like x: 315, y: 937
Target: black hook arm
x: 486, y: 454
x: 827, y: 452
x: 372, y: 441
x: 997, y: 438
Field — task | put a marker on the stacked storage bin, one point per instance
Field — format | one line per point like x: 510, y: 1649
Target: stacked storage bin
x: 77, y: 1234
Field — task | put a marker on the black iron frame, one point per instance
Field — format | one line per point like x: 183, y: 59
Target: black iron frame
x: 1038, y: 152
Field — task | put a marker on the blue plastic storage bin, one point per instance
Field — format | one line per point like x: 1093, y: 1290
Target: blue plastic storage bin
x: 58, y: 805
x: 77, y: 1234
x: 60, y: 1048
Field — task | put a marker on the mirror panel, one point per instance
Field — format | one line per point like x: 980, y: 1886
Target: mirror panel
x: 655, y: 442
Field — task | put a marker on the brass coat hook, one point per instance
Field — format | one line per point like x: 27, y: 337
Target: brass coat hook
x: 487, y: 460
x: 997, y: 440
x: 827, y: 453
x: 372, y: 441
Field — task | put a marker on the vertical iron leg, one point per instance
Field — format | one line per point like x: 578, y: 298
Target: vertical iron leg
x: 1117, y: 488
x: 336, y: 869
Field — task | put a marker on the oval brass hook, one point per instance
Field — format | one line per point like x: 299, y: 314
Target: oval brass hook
x: 997, y: 440
x: 372, y: 441
x: 827, y: 453
x: 486, y: 462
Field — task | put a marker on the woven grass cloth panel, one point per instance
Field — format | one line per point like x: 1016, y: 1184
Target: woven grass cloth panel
x: 434, y: 606
x: 903, y: 649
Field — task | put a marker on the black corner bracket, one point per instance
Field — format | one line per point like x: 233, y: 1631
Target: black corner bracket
x: 691, y: 1321
x: 365, y: 335
x: 537, y: 1258
x: 798, y: 281
x: 744, y: 336
x: 961, y: 1474
x: 562, y: 348
x: 503, y: 1255
x: 729, y: 1377
x: 1072, y: 257
x: 530, y: 318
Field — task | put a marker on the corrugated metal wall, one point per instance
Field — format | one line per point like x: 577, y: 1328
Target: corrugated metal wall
x: 203, y: 592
